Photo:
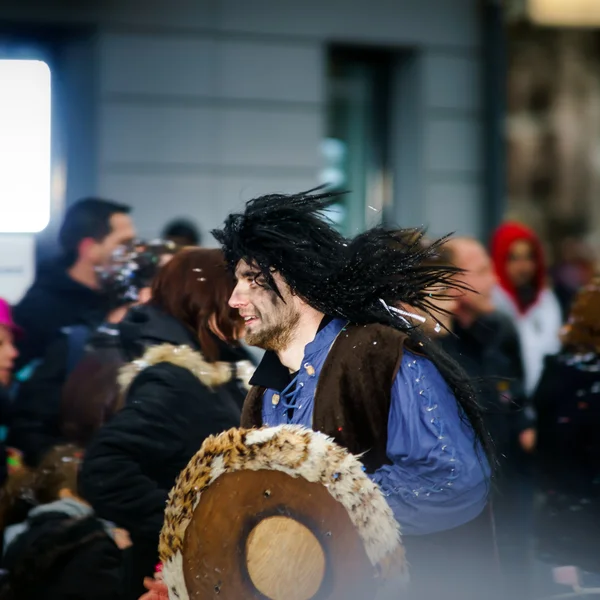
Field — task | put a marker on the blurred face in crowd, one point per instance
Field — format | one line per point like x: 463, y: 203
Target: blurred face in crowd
x: 270, y: 320
x: 122, y: 231
x: 478, y: 275
x: 8, y: 353
x: 521, y: 265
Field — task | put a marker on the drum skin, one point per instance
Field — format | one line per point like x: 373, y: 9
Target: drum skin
x: 231, y: 509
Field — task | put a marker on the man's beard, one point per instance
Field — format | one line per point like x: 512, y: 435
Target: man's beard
x: 275, y: 338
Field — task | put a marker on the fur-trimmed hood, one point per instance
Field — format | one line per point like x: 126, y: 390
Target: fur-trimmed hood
x: 209, y: 374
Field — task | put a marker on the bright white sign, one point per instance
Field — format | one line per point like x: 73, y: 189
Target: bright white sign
x: 25, y: 125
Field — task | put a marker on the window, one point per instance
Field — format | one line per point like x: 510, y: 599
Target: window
x: 25, y: 150
x: 355, y: 151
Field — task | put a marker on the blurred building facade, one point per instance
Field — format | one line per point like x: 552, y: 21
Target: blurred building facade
x: 553, y: 127
x: 191, y: 107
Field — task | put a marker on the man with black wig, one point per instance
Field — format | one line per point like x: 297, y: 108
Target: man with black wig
x: 337, y: 317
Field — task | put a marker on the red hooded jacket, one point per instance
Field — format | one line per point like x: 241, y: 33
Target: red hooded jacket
x: 502, y: 240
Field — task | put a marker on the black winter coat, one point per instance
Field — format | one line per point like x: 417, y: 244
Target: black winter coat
x: 568, y: 461
x: 63, y: 558
x: 134, y: 460
x: 53, y: 302
x: 490, y: 353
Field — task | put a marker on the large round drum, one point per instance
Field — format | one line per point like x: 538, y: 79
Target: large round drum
x: 278, y: 513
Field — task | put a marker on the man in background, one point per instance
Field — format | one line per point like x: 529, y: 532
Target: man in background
x: 183, y: 233
x: 74, y: 388
x: 486, y: 344
x: 67, y: 292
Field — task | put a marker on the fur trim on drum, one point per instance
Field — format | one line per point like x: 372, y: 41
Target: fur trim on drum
x: 298, y: 452
x: 210, y: 374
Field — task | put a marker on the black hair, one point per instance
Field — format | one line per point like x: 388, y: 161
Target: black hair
x: 361, y: 279
x: 182, y: 228
x: 87, y: 218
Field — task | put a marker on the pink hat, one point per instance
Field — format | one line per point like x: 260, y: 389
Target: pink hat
x: 7, y: 320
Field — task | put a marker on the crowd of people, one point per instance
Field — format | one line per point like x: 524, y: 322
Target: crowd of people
x: 450, y: 368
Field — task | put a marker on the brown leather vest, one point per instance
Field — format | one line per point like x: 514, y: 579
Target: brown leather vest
x: 354, y: 391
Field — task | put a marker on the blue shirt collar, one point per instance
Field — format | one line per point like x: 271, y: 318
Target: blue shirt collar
x: 271, y: 374
x: 325, y: 337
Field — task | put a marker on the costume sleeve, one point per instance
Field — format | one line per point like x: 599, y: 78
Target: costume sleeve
x: 439, y: 478
x: 126, y: 458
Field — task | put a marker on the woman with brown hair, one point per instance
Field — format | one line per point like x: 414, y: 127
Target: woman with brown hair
x: 187, y: 382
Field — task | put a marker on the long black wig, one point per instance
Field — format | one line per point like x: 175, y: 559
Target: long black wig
x: 362, y: 279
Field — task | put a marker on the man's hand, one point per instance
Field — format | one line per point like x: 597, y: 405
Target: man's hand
x: 528, y: 439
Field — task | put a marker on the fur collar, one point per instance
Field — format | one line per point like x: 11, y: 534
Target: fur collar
x: 209, y: 374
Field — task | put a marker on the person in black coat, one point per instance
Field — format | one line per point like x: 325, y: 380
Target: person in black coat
x: 66, y: 292
x: 486, y: 345
x: 189, y: 383
x: 489, y: 351
x: 60, y: 557
x: 567, y: 400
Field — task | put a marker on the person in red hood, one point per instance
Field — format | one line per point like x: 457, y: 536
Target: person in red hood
x: 523, y: 294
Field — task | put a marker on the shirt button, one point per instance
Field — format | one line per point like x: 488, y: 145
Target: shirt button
x: 310, y: 369
x: 275, y: 399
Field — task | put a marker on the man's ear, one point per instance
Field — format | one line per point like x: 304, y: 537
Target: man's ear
x: 87, y: 248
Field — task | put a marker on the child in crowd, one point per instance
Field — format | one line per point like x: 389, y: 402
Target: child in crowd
x: 54, y: 545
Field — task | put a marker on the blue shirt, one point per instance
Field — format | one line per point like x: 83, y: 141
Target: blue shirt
x: 438, y: 479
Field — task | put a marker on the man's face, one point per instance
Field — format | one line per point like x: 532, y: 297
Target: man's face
x: 520, y: 264
x: 122, y: 232
x: 270, y: 320
x: 478, y: 275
